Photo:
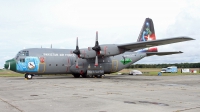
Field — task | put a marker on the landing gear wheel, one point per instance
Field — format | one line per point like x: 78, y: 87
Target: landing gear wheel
x: 98, y: 76
x: 28, y: 76
x: 89, y: 76
x: 25, y: 76
x: 76, y: 75
x: 86, y: 76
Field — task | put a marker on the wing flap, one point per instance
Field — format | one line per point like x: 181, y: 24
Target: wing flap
x: 162, y: 53
x: 144, y: 44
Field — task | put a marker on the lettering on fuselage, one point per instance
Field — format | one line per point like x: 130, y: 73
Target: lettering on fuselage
x: 95, y: 71
x: 130, y: 55
x: 57, y: 54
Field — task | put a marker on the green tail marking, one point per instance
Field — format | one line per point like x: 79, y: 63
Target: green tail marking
x: 126, y: 61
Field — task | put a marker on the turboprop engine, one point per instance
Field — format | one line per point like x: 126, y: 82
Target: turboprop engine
x: 96, y: 51
x: 106, y: 50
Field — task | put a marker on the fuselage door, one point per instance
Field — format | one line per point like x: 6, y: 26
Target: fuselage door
x: 68, y: 64
x: 114, y: 65
x: 42, y: 65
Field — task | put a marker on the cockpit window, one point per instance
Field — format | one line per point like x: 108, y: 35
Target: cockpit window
x: 22, y: 60
x: 25, y: 53
x: 22, y: 53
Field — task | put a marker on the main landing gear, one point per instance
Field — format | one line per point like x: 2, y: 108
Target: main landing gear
x: 76, y: 75
x: 87, y: 76
x: 28, y: 76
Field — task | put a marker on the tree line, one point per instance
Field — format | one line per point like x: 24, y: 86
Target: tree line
x: 179, y: 65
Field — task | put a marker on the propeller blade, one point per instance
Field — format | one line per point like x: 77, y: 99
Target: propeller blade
x: 96, y: 61
x: 77, y: 62
x: 77, y: 41
x: 96, y: 35
x: 96, y: 48
x: 77, y: 51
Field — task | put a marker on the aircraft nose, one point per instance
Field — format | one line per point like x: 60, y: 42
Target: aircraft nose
x: 10, y: 64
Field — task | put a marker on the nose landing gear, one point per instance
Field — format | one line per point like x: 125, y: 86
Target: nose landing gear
x: 28, y: 76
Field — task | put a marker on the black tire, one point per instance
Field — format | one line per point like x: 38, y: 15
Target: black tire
x: 86, y: 76
x: 98, y: 76
x: 28, y: 76
x: 76, y: 75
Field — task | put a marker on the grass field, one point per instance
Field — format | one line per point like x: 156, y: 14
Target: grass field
x: 146, y: 72
x: 154, y: 72
x: 8, y: 73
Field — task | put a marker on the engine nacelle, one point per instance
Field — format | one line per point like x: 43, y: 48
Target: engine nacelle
x: 106, y: 50
x: 110, y: 50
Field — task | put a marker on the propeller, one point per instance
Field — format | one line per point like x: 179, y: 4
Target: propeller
x: 77, y: 52
x: 96, y: 48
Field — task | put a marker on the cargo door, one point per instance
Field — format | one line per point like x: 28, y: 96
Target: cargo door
x: 114, y: 65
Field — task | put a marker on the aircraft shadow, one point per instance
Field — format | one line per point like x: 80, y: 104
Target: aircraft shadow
x: 114, y: 78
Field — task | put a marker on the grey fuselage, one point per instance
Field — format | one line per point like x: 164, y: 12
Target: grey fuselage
x: 63, y: 61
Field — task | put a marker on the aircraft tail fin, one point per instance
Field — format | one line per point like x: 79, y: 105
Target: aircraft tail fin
x: 147, y: 33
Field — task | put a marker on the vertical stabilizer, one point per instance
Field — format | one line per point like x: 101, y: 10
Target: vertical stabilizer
x: 147, y: 33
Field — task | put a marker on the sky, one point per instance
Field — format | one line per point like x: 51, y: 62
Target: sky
x: 36, y: 23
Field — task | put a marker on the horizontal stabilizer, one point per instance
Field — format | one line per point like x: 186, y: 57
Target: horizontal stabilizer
x: 162, y: 53
x: 141, y: 45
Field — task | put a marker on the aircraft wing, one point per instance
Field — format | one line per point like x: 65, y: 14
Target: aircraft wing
x: 144, y: 44
x: 162, y: 53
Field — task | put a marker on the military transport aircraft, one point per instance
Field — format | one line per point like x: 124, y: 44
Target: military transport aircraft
x: 92, y: 61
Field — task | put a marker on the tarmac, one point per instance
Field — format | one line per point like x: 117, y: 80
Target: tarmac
x: 120, y: 93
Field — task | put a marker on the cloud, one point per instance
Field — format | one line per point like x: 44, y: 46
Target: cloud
x: 186, y: 24
x: 42, y: 23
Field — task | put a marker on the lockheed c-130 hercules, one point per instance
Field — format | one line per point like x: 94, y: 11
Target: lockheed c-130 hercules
x: 92, y: 61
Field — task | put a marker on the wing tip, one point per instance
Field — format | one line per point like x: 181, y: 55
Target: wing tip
x: 187, y: 38
x: 180, y: 52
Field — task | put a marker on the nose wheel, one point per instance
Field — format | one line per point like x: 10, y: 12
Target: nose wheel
x: 28, y: 76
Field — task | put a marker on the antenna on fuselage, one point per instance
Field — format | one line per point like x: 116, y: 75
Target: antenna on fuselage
x: 51, y: 46
x: 41, y: 46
